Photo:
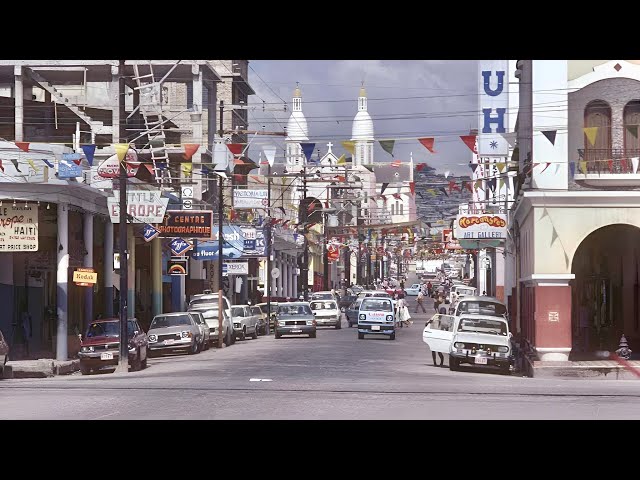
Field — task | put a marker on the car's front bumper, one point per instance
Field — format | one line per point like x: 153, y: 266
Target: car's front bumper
x: 170, y: 347
x: 94, y: 361
x: 384, y: 329
x: 327, y: 321
x: 491, y: 360
x: 296, y: 330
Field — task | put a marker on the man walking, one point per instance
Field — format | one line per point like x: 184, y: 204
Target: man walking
x: 420, y: 302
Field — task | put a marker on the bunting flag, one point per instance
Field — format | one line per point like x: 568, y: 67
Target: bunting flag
x: 591, y: 133
x: 237, y: 177
x: 501, y: 183
x: 205, y: 171
x: 432, y: 191
x: 1, y: 166
x: 469, y: 141
x: 384, y: 187
x: 583, y: 167
x: 632, y: 129
x: 89, y: 151
x: 186, y: 169
x: 368, y: 167
x: 421, y: 195
x: 24, y: 146
x: 491, y: 183
x: 610, y: 163
x: 474, y: 167
x: 554, y: 234
x: 383, y: 198
x: 349, y: 146
x: 453, y: 186
x: 468, y: 186
x: 121, y: 150
x: 396, y: 163
x: 307, y: 149
x: 545, y: 167
x: 235, y: 148
x: 421, y: 166
x: 387, y: 146
x: 220, y: 156
x: 572, y: 168
x: 447, y: 173
x: 478, y: 185
x: 32, y: 165
x: 581, y: 153
x: 48, y: 163
x: 342, y: 160
x: 284, y: 212
x: 397, y: 196
x: 284, y: 224
x: 510, y: 137
x: 412, y: 188
x: 501, y: 166
x: 545, y: 213
x: 551, y: 135
x: 428, y: 143
x: 557, y: 168
x: 190, y: 149
x: 15, y: 164
x: 634, y: 163
x: 150, y: 168
x: 443, y: 191
x: 270, y: 153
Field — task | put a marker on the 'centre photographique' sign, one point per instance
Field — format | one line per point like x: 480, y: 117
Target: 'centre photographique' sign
x: 19, y: 228
x: 187, y: 224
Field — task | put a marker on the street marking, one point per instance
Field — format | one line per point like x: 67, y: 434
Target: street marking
x: 260, y: 380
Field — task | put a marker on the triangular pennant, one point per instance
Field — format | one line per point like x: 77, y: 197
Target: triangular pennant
x: 583, y: 167
x: 32, y: 165
x: 468, y: 186
x: 501, y: 184
x: 551, y: 135
x: 442, y: 189
x: 77, y: 161
x: 15, y: 164
x: 307, y: 149
x: 48, y: 163
x: 544, y: 213
x: 501, y: 166
x: 342, y: 160
x: 384, y: 187
x: 383, y: 198
x: 447, y: 173
x: 557, y: 168
x: 89, y: 151
x: 121, y: 150
x: 349, y: 146
x: 474, y: 167
x: 420, y: 166
x: 396, y: 196
x: 591, y: 133
x: 190, y: 149
x: 149, y: 167
x: 24, y: 146
x: 478, y: 185
x: 554, y: 235
x: 387, y: 146
x: 545, y: 167
x: 632, y: 129
x: 412, y: 187
x: 284, y: 212
x: 491, y: 183
x: 270, y: 153
x: 510, y: 137
x: 572, y: 168
x: 186, y: 169
x: 469, y: 141
x: 235, y: 148
x: 428, y: 143
x: 634, y: 163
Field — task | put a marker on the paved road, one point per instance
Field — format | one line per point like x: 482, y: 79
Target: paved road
x: 335, y: 376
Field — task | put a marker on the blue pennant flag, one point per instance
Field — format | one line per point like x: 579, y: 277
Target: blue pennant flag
x: 307, y: 148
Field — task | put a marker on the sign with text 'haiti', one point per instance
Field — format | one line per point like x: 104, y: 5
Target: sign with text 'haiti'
x: 19, y: 228
x: 145, y: 206
x: 480, y: 226
x: 187, y: 223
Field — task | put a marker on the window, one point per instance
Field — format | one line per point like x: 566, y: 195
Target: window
x: 163, y: 321
x: 401, y: 207
x: 598, y: 114
x: 393, y: 209
x: 189, y: 94
x: 632, y: 119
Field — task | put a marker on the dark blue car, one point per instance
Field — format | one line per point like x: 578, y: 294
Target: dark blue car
x: 352, y: 312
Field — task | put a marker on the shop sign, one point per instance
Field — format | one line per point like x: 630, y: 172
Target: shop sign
x: 187, y: 223
x: 19, y: 228
x: 478, y: 227
x: 178, y: 266
x: 145, y: 206
x: 85, y: 277
x: 250, y: 198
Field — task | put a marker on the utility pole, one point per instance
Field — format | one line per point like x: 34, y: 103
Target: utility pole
x: 325, y: 254
x: 123, y: 360
x: 305, y: 261
x: 267, y: 279
x: 220, y: 240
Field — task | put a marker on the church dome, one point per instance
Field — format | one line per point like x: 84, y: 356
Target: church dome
x: 362, y: 123
x: 297, y: 129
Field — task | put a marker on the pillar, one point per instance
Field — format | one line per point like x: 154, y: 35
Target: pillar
x: 18, y: 94
x: 108, y: 268
x: 156, y: 277
x: 62, y: 280
x: 131, y: 272
x: 292, y: 278
x: 294, y: 285
x: 279, y: 292
x: 88, y: 262
x: 285, y: 276
x: 115, y: 95
x: 177, y: 292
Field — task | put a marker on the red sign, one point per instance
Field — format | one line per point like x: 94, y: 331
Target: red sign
x: 110, y: 168
x: 333, y: 253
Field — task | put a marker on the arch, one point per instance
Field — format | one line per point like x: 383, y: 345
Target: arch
x: 597, y: 113
x: 631, y: 117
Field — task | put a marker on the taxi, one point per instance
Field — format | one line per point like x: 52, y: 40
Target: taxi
x: 376, y: 316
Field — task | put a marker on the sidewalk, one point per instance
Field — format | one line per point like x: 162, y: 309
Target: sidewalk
x: 41, y: 368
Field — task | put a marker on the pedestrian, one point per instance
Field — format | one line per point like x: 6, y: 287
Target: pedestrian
x: 402, y: 284
x: 433, y: 355
x: 420, y: 302
x: 436, y: 303
x: 429, y: 288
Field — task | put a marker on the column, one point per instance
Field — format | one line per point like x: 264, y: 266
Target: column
x: 62, y: 280
x: 552, y: 318
x: 177, y: 292
x: 156, y: 277
x: 18, y: 94
x: 108, y: 268
x: 115, y: 95
x: 292, y: 278
x: 279, y: 279
x: 285, y: 276
x: 131, y: 272
x: 88, y: 262
x: 295, y: 282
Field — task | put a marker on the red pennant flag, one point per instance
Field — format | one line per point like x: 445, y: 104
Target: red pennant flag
x: 383, y: 197
x: 237, y: 161
x: 237, y: 177
x: 453, y: 186
x: 412, y: 187
x: 190, y: 149
x: 235, y: 148
x: 545, y: 167
x: 341, y: 178
x: 421, y: 166
x: 396, y: 163
x: 149, y: 167
x: 396, y: 196
x: 428, y: 143
x: 78, y: 161
x: 469, y: 141
x: 468, y: 185
x: 1, y: 167
x: 24, y: 146
x: 610, y: 162
x: 232, y: 214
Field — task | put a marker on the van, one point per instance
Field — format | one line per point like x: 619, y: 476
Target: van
x: 376, y: 316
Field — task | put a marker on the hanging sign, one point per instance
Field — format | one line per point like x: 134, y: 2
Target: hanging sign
x: 110, y: 168
x: 180, y: 246
x: 19, y: 228
x: 85, y: 277
x: 493, y: 85
x: 178, y: 266
x: 145, y: 206
x: 250, y: 198
x: 190, y: 223
x: 237, y: 268
x: 150, y: 232
x: 492, y: 226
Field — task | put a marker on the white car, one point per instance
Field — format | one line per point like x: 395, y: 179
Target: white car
x: 326, y: 313
x: 413, y: 290
x: 244, y: 321
x: 475, y: 305
x: 207, y: 304
x: 327, y: 295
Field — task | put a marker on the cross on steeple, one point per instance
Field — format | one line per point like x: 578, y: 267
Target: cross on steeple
x: 329, y: 145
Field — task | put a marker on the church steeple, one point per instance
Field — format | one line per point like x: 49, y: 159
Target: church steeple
x: 362, y: 99
x: 297, y: 130
x: 362, y: 132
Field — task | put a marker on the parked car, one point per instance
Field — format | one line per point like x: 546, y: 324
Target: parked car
x: 100, y: 346
x: 4, y: 354
x: 273, y: 315
x: 481, y: 305
x: 352, y: 312
x: 413, y: 290
x: 204, y: 329
x: 376, y: 316
x: 327, y: 295
x: 345, y: 301
x: 295, y: 318
x: 244, y: 322
x: 208, y: 305
x: 262, y: 318
x: 326, y: 313
x: 174, y: 331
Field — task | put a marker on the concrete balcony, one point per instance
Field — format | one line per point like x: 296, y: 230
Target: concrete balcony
x: 612, y: 167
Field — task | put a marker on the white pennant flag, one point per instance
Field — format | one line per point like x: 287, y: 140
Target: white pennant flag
x: 510, y: 138
x: 446, y: 174
x: 220, y: 156
x: 270, y: 153
x: 554, y: 235
x: 634, y: 161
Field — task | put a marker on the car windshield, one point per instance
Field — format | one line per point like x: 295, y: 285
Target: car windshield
x: 104, y: 329
x: 202, y: 306
x: 483, y: 325
x: 164, y: 321
x: 237, y: 312
x: 322, y: 296
x: 294, y: 310
x: 374, y: 305
x: 479, y: 307
x: 201, y: 301
x: 323, y: 306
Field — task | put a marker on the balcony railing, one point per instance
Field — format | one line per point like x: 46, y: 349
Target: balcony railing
x: 607, y: 160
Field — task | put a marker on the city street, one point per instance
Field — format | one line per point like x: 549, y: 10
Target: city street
x: 335, y: 376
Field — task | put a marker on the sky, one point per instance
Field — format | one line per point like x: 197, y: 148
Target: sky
x: 407, y: 99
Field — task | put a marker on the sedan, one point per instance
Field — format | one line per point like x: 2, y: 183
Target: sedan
x: 413, y: 290
x: 295, y: 318
x: 174, y: 331
x: 352, y: 312
x: 326, y: 313
x: 205, y: 334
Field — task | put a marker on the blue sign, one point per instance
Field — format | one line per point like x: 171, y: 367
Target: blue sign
x: 150, y: 232
x: 236, y: 244
x: 180, y: 246
x: 68, y: 168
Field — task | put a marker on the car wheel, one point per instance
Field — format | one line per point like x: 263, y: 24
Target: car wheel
x: 453, y: 364
x: 278, y: 335
x: 194, y: 349
x: 254, y: 335
x: 243, y: 335
x: 392, y: 336
x: 143, y: 364
x: 339, y: 324
x: 84, y: 370
x: 312, y: 335
x: 232, y: 336
x: 360, y: 336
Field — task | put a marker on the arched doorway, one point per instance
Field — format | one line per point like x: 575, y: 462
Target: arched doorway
x: 605, y: 291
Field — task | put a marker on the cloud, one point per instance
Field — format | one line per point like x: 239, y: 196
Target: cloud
x: 407, y: 99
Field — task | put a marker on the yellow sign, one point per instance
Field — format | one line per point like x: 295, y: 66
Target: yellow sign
x: 85, y: 277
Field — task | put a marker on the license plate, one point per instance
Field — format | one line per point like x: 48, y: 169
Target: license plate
x: 481, y: 360
x: 296, y: 330
x: 169, y: 342
x: 375, y: 327
x: 106, y: 356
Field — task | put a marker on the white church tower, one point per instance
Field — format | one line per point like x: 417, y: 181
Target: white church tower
x: 362, y: 133
x: 297, y: 131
